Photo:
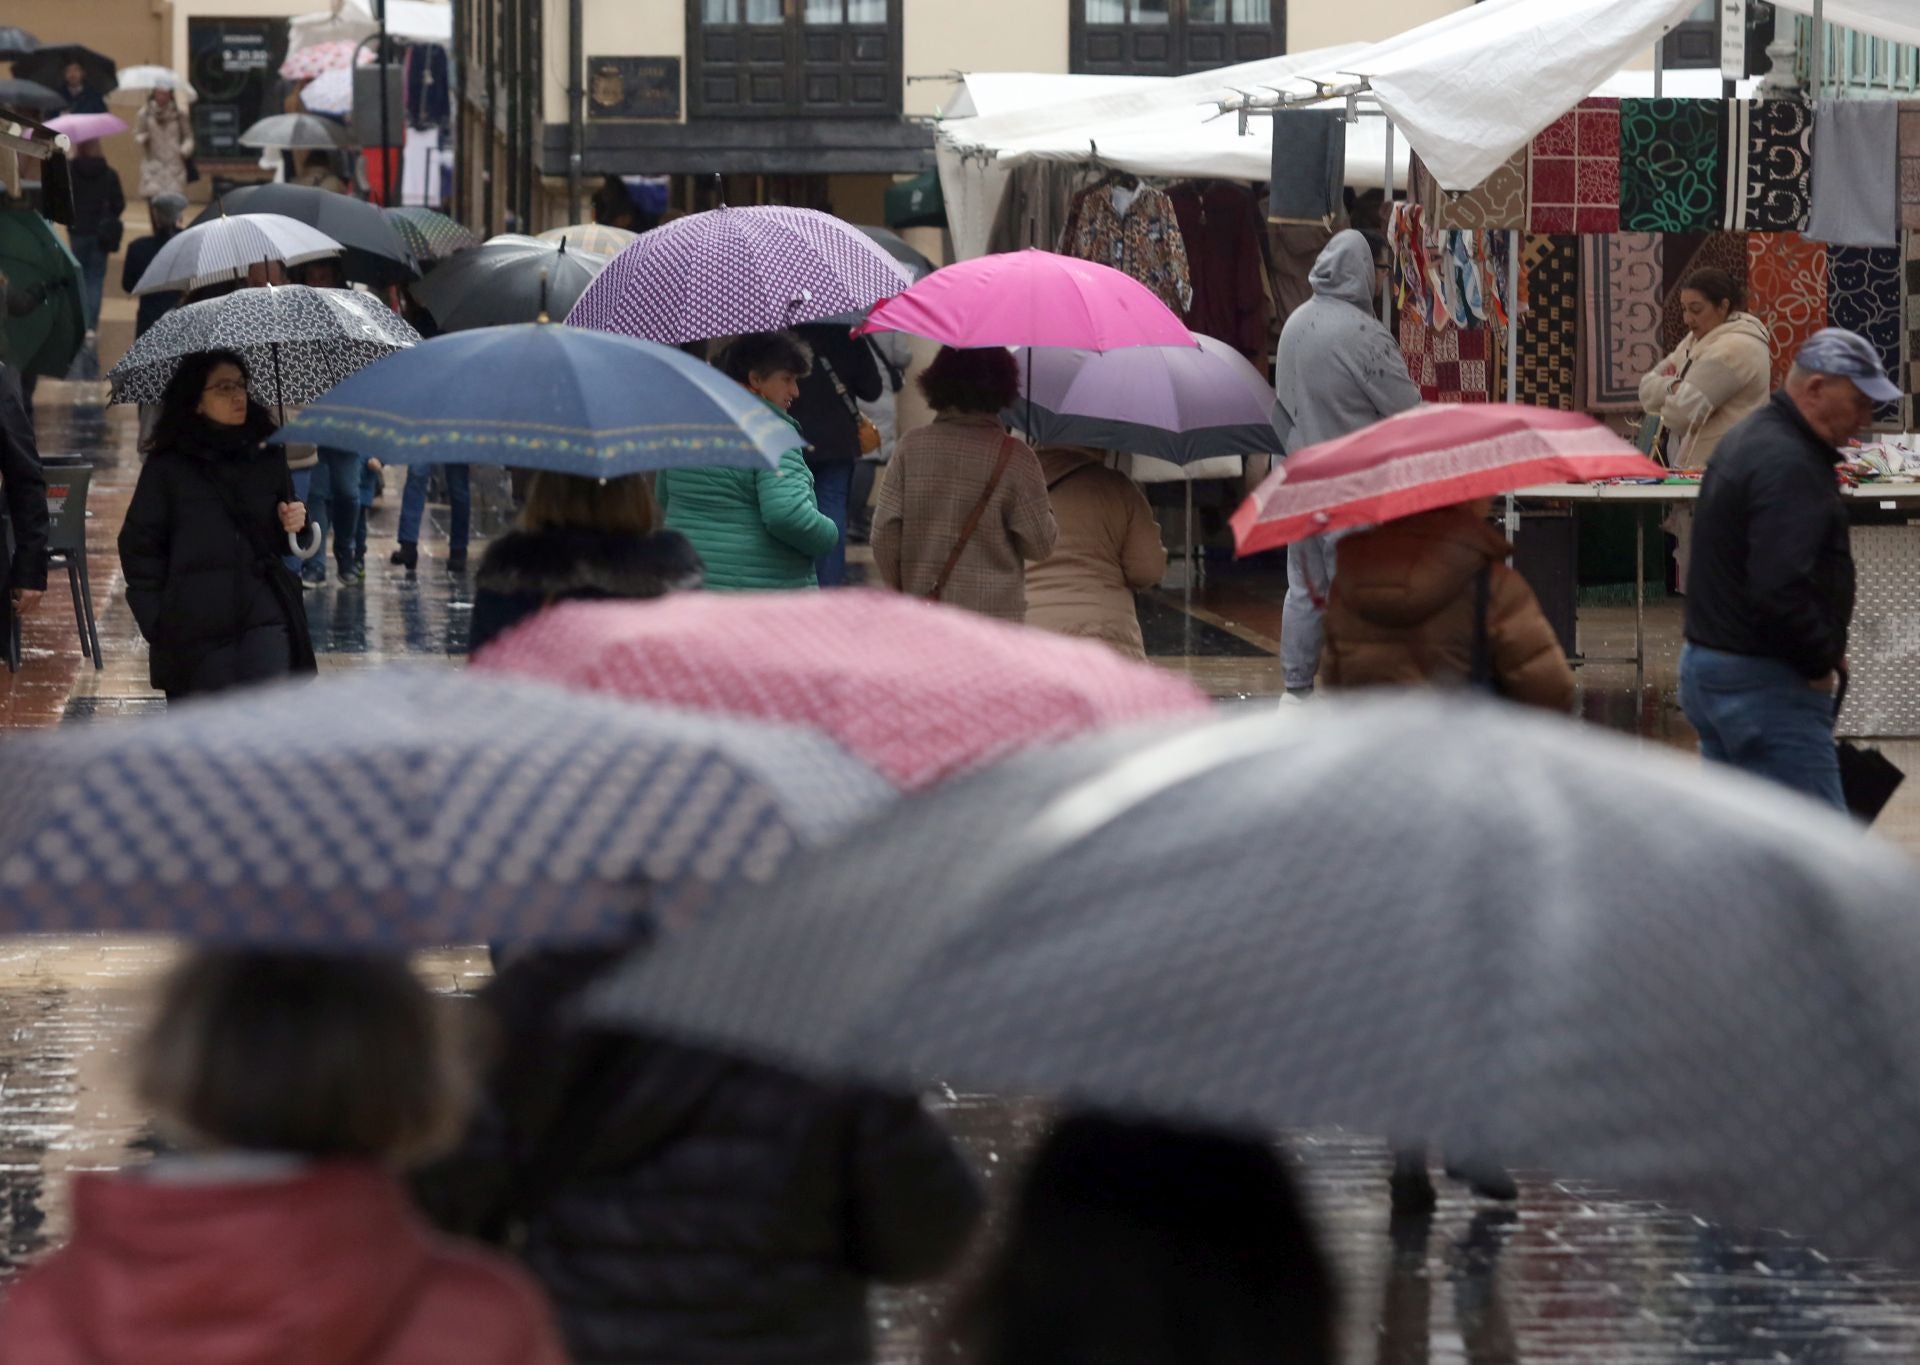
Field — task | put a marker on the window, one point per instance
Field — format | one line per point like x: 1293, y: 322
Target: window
x: 755, y: 58
x: 1171, y: 37
x: 1694, y: 43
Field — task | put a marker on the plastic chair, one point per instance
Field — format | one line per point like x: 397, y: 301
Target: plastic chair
x: 67, y: 546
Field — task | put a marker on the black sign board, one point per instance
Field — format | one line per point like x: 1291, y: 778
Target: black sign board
x: 633, y: 87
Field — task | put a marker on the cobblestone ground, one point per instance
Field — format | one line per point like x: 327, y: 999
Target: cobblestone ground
x: 1568, y: 1275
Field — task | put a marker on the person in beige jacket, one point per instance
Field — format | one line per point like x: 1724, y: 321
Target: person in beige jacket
x: 1720, y: 372
x: 1107, y: 549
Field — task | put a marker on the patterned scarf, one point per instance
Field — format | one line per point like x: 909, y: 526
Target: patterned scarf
x: 1448, y: 364
x: 1787, y: 290
x: 1550, y: 327
x: 1575, y: 170
x: 1777, y: 185
x: 1671, y: 157
x: 1619, y: 317
x: 1863, y: 295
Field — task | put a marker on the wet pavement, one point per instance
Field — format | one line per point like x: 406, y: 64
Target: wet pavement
x: 1568, y: 1275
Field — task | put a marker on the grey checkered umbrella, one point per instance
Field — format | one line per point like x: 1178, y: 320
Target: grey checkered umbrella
x: 1410, y: 917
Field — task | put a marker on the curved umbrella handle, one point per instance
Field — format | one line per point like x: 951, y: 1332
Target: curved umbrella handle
x: 296, y: 539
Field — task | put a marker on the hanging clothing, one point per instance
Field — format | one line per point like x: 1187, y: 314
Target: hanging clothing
x: 1221, y: 228
x: 1309, y: 168
x: 1856, y: 191
x: 1574, y: 171
x: 1139, y: 237
x: 428, y: 86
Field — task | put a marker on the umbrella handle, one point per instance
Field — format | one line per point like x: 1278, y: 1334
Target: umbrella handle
x: 297, y: 540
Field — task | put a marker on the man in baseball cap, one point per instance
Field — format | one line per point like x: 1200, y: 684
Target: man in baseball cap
x: 1771, y: 586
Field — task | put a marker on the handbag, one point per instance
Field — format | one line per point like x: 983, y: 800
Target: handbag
x: 869, y: 433
x: 110, y: 233
x: 1868, y: 778
x: 973, y: 520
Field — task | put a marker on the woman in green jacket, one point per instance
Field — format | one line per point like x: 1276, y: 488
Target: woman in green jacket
x: 754, y: 528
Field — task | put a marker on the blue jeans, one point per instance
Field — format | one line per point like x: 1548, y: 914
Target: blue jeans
x: 93, y: 273
x: 832, y: 489
x: 1760, y: 715
x: 413, y: 506
x: 336, y: 501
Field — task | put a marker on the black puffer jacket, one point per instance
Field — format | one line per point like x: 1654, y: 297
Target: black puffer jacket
x: 197, y: 576
x: 685, y: 1209
x: 523, y: 571
x: 828, y: 418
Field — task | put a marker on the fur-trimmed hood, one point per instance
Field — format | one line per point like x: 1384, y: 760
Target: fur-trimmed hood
x: 569, y: 562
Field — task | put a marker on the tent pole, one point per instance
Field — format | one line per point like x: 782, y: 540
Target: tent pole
x: 1513, y: 355
x: 1659, y: 66
x: 1818, y: 60
x: 1386, y: 214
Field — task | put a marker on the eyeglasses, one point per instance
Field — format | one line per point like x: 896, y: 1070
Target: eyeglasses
x: 226, y: 388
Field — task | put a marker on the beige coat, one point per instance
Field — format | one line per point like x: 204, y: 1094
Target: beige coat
x: 166, y: 141
x: 932, y: 483
x: 1108, y: 548
x: 1716, y: 382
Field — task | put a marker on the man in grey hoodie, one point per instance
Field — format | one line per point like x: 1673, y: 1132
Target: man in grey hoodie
x: 1337, y: 369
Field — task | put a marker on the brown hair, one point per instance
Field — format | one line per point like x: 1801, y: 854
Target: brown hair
x: 318, y: 1054
x: 616, y: 506
x: 977, y: 379
x: 1717, y: 287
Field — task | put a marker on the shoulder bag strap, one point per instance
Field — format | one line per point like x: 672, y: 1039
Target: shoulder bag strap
x: 973, y: 520
x: 852, y: 407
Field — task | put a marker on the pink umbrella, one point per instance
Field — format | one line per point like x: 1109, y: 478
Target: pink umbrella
x: 1432, y: 456
x: 88, y: 127
x: 920, y: 692
x: 317, y: 59
x: 1031, y: 298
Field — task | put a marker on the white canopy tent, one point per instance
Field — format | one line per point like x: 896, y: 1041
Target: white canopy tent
x: 415, y: 21
x: 1897, y: 21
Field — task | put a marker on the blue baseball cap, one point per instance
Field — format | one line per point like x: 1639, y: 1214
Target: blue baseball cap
x: 1848, y: 355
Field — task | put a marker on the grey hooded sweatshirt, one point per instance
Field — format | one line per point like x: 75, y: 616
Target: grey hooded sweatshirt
x: 1337, y: 368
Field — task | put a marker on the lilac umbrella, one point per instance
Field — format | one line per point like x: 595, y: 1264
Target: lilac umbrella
x: 1179, y: 403
x: 88, y: 127
x: 729, y: 271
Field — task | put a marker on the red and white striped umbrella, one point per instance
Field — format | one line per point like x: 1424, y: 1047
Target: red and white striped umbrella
x: 317, y: 59
x: 1432, y: 456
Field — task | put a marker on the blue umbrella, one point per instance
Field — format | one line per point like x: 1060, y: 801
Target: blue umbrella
x: 405, y: 807
x: 546, y: 396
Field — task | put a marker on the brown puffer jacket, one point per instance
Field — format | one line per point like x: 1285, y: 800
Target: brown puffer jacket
x: 1401, y: 613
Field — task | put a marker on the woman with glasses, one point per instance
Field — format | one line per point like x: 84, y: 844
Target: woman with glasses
x: 205, y: 537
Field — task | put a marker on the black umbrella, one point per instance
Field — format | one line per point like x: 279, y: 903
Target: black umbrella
x: 508, y: 279
x: 30, y: 96
x: 15, y: 42
x: 375, y: 253
x: 48, y: 66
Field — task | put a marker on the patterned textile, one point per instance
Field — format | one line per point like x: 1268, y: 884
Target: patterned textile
x: 1499, y: 201
x: 1682, y: 253
x: 1776, y: 188
x: 1448, y: 364
x: 1911, y: 381
x: 1671, y: 158
x: 1863, y: 295
x: 1550, y: 326
x: 1910, y: 165
x: 1787, y: 290
x: 1619, y: 318
x: 1143, y: 242
x: 1575, y: 175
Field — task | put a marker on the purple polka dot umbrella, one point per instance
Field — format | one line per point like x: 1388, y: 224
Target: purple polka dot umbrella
x: 729, y: 271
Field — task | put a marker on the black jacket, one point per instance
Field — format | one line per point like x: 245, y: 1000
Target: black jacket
x: 97, y: 195
x: 140, y: 254
x: 681, y: 1208
x: 524, y: 571
x: 24, y: 486
x: 827, y: 419
x: 196, y: 578
x: 1772, y: 570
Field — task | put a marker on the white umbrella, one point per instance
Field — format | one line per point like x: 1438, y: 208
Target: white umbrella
x: 223, y: 248
x: 331, y: 92
x: 137, y: 82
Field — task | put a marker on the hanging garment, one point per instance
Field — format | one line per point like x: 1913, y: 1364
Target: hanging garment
x: 1682, y: 253
x: 428, y: 86
x: 1786, y: 290
x: 1910, y: 361
x: 1910, y: 165
x: 1499, y: 201
x: 1033, y: 211
x: 1143, y: 241
x: 1619, y: 317
x: 1220, y: 226
x: 1550, y: 326
x: 1672, y: 154
x: 1856, y: 191
x: 1575, y: 170
x: 1777, y: 168
x: 1863, y: 295
x: 1309, y: 168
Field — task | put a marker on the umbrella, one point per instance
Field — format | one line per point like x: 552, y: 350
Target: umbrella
x: 1431, y: 456
x: 219, y: 249
x: 544, y: 396
x: 429, y: 234
x: 298, y: 342
x: 402, y: 807
x: 509, y: 279
x: 596, y: 239
x: 88, y: 127
x: 1031, y: 298
x: 1417, y: 916
x: 331, y: 92
x: 137, y: 82
x: 1179, y: 403
x: 319, y: 58
x: 738, y: 270
x: 45, y: 340
x: 29, y: 97
x: 296, y: 132
x: 375, y: 253
x: 48, y: 64
x: 950, y: 690
x: 16, y: 42
x: 917, y: 265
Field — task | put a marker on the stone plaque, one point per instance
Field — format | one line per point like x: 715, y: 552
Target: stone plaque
x: 633, y: 87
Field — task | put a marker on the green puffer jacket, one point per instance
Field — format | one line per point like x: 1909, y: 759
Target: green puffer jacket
x: 753, y: 528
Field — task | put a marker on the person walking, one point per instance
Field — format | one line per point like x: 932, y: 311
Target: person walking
x: 963, y: 505
x: 163, y: 213
x: 80, y: 96
x: 1337, y: 369
x: 94, y: 235
x: 23, y: 496
x: 1770, y: 591
x: 1429, y: 600
x: 1107, y: 549
x: 204, y: 536
x: 165, y: 135
x: 754, y: 528
x: 827, y: 412
x: 578, y: 538
x: 290, y: 1086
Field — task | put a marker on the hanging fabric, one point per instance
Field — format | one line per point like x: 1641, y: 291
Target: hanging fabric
x: 1141, y: 240
x: 1777, y: 186
x: 1863, y: 295
x: 1856, y: 191
x: 1550, y: 326
x: 1619, y: 317
x: 1575, y: 171
x: 1682, y: 253
x: 1499, y: 201
x: 1221, y: 228
x: 1910, y: 360
x: 1910, y: 165
x: 1671, y: 157
x: 1309, y: 167
x: 1786, y: 290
